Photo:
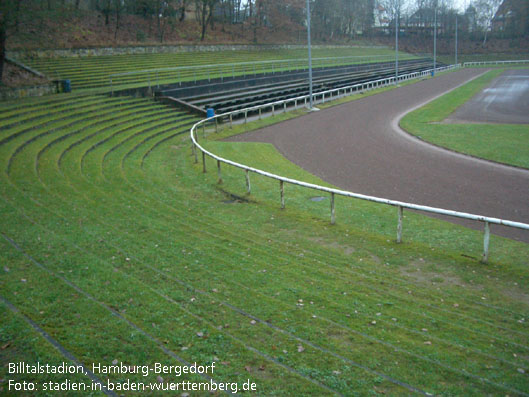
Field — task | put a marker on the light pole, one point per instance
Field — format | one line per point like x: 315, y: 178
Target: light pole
x: 397, y: 43
x: 456, y: 39
x: 310, y: 54
x: 435, y: 38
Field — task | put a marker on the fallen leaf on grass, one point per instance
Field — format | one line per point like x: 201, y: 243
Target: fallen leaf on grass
x: 301, y: 349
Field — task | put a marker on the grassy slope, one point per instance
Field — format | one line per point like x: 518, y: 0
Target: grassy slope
x: 115, y: 206
x: 504, y: 143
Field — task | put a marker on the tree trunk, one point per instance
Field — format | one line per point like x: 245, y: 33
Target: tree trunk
x: 107, y: 12
x: 203, y: 21
x: 211, y: 20
x: 117, y: 18
x: 3, y: 39
x: 182, y: 11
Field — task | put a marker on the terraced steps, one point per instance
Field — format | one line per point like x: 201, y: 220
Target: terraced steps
x: 110, y: 233
x: 94, y: 72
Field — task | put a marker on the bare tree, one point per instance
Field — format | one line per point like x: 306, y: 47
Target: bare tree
x: 485, y: 12
x: 9, y: 20
x: 205, y: 13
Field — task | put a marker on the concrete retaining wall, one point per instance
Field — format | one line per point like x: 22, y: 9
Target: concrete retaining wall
x: 23, y: 92
x: 86, y: 52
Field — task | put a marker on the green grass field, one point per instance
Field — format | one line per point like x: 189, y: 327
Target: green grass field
x: 503, y: 143
x: 95, y: 72
x: 117, y: 246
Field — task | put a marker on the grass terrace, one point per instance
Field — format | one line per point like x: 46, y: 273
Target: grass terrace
x: 95, y: 72
x: 114, y: 244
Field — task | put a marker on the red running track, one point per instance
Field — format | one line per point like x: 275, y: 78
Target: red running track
x: 359, y: 147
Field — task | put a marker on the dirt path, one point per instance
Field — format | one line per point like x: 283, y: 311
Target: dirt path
x: 358, y: 146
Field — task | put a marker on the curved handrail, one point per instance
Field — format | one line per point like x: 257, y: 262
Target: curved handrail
x: 399, y: 204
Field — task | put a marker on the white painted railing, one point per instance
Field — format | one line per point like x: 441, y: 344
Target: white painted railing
x: 330, y: 95
x: 485, y: 63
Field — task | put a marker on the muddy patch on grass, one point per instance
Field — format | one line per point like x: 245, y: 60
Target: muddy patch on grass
x: 420, y: 271
x: 516, y: 295
x: 346, y: 249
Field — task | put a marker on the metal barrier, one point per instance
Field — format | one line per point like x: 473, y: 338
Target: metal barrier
x: 484, y: 63
x: 334, y: 94
x: 226, y: 70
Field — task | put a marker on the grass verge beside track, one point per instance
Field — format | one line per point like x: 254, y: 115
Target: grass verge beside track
x: 503, y: 143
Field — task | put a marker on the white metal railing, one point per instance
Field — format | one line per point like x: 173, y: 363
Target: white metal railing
x: 282, y: 180
x: 226, y: 70
x: 484, y: 63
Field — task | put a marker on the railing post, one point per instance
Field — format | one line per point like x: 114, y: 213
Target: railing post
x: 282, y: 191
x: 333, y: 217
x: 245, y: 116
x: 195, y: 151
x: 231, y: 121
x: 486, y: 240
x: 216, y: 126
x: 248, y: 186
x: 204, y: 129
x: 285, y: 107
x: 203, y: 162
x: 273, y: 110
x: 218, y: 172
x: 399, y: 225
x: 259, y: 113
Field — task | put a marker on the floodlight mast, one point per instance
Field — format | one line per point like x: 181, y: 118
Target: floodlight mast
x: 456, y: 38
x: 397, y: 43
x: 310, y: 54
x: 435, y: 38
